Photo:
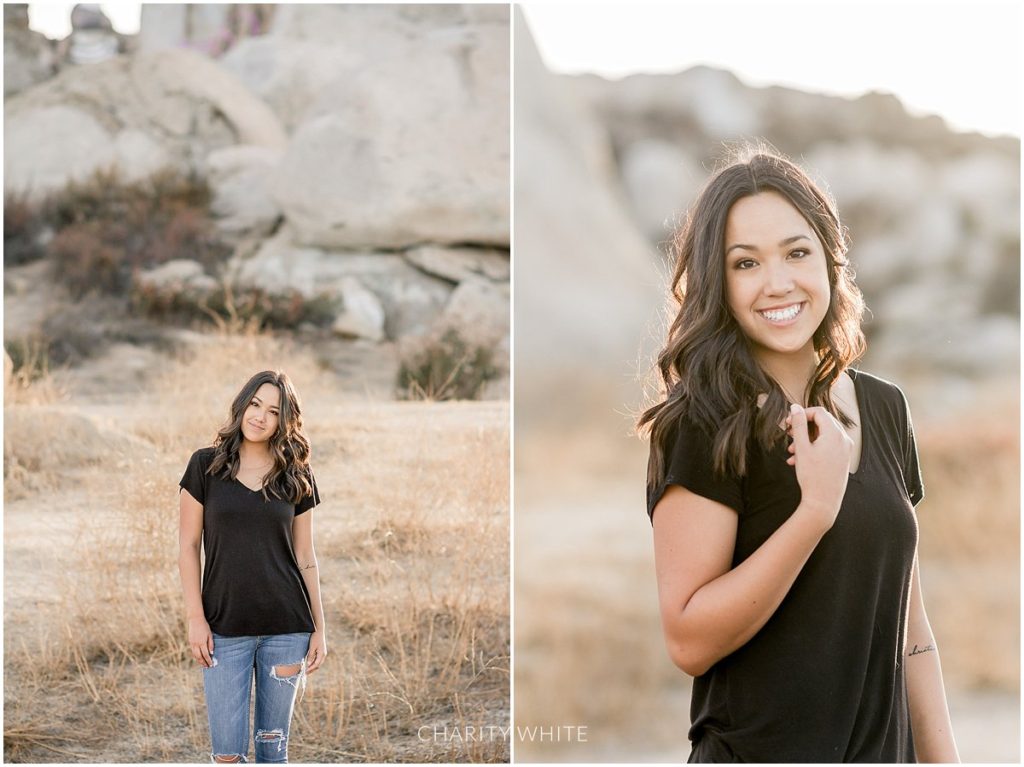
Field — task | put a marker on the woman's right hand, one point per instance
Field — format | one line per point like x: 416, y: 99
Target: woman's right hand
x: 200, y: 640
x: 822, y: 465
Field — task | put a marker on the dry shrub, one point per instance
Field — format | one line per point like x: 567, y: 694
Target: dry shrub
x: 253, y: 307
x: 31, y: 382
x: 106, y: 229
x: 444, y: 368
x: 23, y: 227
x: 31, y: 386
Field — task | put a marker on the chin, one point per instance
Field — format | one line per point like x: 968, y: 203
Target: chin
x: 773, y: 346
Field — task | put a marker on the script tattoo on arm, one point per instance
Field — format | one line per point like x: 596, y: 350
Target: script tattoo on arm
x: 917, y: 651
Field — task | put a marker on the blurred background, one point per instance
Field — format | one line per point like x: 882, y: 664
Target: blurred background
x: 909, y: 114
x: 194, y: 193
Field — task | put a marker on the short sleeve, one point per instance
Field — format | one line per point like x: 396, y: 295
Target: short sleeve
x: 689, y: 462
x: 911, y: 465
x: 310, y: 500
x: 194, y: 478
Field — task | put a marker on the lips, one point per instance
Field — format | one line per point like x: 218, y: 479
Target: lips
x: 780, y: 315
x: 256, y: 426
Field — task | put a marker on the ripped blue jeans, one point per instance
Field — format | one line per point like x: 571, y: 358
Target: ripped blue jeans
x: 279, y: 662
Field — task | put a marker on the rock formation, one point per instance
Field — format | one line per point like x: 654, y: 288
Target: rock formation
x: 28, y: 56
x: 933, y: 214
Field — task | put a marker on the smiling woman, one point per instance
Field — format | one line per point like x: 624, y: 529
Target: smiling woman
x: 245, y: 501
x: 787, y: 574
x: 778, y: 291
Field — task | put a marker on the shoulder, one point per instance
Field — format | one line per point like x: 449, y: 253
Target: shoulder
x: 883, y: 401
x: 202, y: 456
x: 878, y: 387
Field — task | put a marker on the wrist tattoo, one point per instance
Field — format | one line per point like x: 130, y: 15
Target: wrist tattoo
x: 310, y: 567
x: 918, y: 651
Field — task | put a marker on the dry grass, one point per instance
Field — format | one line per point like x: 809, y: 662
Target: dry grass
x: 413, y: 546
x: 970, y: 541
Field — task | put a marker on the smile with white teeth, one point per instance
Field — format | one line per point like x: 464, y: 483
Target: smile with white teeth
x: 782, y: 315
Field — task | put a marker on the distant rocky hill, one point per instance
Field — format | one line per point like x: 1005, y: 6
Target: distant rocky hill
x: 933, y: 214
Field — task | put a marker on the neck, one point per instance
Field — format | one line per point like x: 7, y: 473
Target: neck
x: 791, y: 371
x: 252, y: 452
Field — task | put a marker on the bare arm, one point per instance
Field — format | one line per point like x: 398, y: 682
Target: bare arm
x: 305, y: 555
x: 709, y: 610
x: 929, y: 713
x: 190, y: 538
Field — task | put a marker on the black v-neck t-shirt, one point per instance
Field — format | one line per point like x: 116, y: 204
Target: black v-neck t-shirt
x: 251, y: 581
x: 823, y: 680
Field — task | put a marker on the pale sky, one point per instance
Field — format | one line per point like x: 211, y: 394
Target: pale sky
x: 54, y: 19
x: 958, y: 60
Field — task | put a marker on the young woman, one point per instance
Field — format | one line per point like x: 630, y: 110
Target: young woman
x: 245, y: 500
x: 787, y: 573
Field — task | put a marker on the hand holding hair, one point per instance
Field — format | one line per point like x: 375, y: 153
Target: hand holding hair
x: 822, y: 463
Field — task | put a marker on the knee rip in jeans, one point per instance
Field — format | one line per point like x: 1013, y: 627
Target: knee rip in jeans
x: 272, y: 736
x: 228, y: 758
x: 280, y: 672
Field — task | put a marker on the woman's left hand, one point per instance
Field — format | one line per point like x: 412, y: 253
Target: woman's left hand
x: 317, y: 651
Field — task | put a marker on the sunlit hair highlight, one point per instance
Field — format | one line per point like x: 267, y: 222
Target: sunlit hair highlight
x: 289, y: 479
x: 707, y: 369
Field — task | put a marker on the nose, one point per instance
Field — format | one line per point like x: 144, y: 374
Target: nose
x: 778, y: 279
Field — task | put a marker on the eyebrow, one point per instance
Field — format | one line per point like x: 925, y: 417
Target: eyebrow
x: 782, y: 244
x: 275, y: 407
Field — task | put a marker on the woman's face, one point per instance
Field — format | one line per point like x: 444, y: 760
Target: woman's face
x: 776, y: 275
x: 259, y: 423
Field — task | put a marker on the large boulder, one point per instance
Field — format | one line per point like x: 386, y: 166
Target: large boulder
x: 241, y: 178
x: 479, y: 310
x: 590, y: 289
x: 28, y: 56
x: 362, y: 314
x: 178, y: 276
x: 212, y: 28
x: 458, y: 264
x: 411, y: 299
x: 384, y: 155
x: 138, y: 115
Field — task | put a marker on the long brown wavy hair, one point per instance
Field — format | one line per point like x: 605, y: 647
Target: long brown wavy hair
x: 707, y: 369
x: 289, y: 479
